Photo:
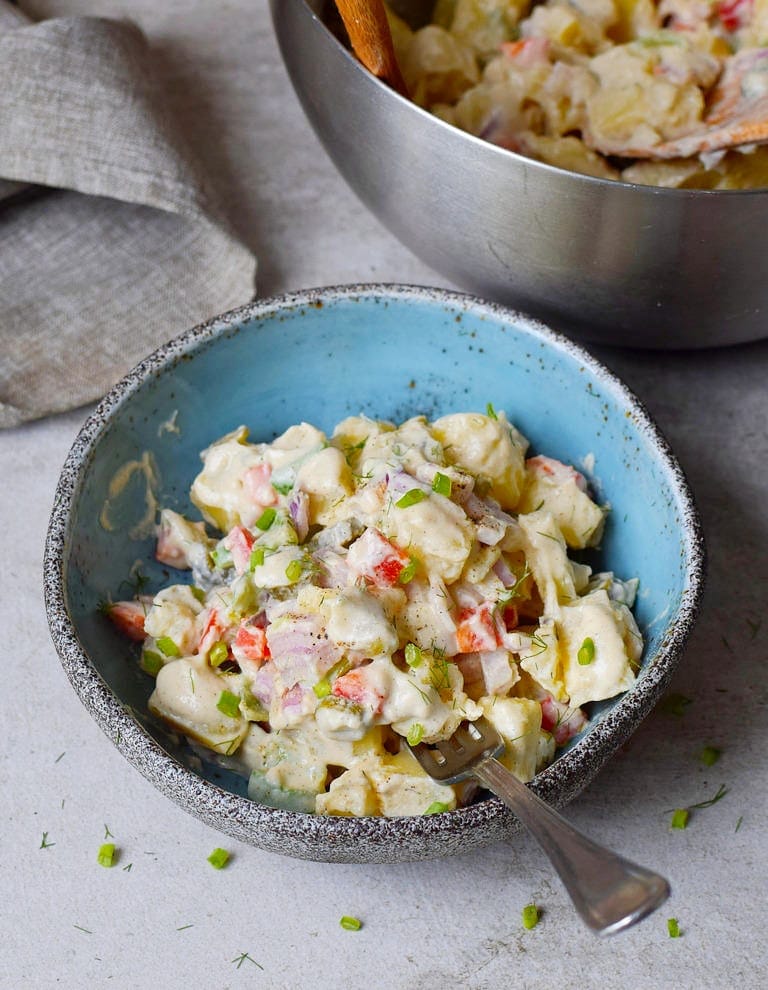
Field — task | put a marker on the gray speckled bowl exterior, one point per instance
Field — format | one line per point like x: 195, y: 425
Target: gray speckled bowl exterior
x: 345, y: 839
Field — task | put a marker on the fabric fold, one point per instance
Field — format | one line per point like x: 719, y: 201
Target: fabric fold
x: 111, y: 241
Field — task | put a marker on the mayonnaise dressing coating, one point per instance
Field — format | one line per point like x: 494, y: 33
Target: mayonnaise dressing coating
x: 381, y: 584
x: 585, y: 84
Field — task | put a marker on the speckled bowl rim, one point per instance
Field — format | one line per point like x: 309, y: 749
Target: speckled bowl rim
x: 271, y: 827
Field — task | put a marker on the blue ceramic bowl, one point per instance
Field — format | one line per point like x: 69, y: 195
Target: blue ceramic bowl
x: 320, y: 355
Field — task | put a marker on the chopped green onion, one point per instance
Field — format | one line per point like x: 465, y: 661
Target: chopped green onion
x: 490, y: 411
x: 323, y: 688
x: 167, y: 646
x: 415, y: 734
x: 530, y: 916
x: 441, y: 484
x: 218, y: 858
x: 284, y: 487
x: 228, y: 704
x: 351, y: 924
x: 709, y: 756
x: 657, y: 42
x: 436, y: 808
x: 151, y: 662
x: 680, y: 818
x: 413, y: 655
x: 198, y: 593
x: 293, y: 570
x: 266, y: 519
x: 218, y: 653
x: 586, y: 653
x: 106, y: 856
x: 256, y: 559
x: 407, y: 572
x: 673, y: 928
x: 412, y: 497
x: 221, y: 558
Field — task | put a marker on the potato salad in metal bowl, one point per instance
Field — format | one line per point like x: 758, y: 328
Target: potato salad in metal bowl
x: 582, y: 84
x: 381, y: 585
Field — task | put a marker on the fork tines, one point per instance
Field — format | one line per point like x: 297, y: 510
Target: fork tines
x: 453, y: 759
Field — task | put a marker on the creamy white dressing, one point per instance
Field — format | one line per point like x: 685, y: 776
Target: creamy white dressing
x: 170, y: 425
x: 175, y: 614
x: 220, y: 490
x: 435, y: 529
x: 390, y: 583
x: 360, y: 626
x: 187, y: 694
x: 120, y: 510
x: 273, y: 573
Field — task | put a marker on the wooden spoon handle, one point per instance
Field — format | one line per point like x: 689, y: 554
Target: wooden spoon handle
x: 368, y: 30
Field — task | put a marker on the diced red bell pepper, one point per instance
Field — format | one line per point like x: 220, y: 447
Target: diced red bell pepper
x: 258, y: 485
x: 527, y: 52
x: 213, y: 631
x: 129, y: 618
x: 548, y: 467
x: 239, y: 542
x: 377, y: 559
x: 510, y: 617
x: 476, y: 629
x: 735, y: 14
x: 355, y: 686
x: 251, y: 643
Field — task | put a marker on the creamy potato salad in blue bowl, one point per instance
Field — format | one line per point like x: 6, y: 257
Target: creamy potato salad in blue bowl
x: 323, y: 527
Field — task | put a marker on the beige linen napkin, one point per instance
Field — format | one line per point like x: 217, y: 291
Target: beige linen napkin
x: 110, y: 241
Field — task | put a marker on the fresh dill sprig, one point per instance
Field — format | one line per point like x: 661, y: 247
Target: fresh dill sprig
x: 549, y: 536
x: 721, y: 792
x: 239, y: 960
x: 514, y: 591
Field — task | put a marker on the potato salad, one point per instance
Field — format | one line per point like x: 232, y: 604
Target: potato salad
x: 347, y: 594
x: 579, y: 83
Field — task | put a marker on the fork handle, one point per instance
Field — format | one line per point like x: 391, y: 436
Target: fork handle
x: 609, y: 892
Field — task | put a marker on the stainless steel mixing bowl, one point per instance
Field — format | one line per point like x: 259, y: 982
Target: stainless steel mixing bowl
x: 603, y: 261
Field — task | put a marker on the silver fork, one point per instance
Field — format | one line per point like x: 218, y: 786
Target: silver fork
x: 609, y: 892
